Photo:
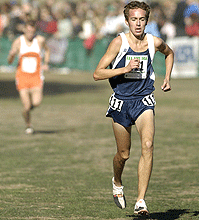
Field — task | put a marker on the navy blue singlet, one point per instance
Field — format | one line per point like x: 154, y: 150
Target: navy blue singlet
x: 133, y: 88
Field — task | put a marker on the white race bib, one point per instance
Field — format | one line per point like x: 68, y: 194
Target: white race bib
x: 142, y: 70
x: 29, y: 64
x: 149, y: 100
x: 115, y: 104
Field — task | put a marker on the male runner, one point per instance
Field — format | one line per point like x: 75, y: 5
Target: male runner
x: 132, y: 77
x: 29, y: 77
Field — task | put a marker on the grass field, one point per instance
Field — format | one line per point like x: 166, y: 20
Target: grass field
x: 64, y: 171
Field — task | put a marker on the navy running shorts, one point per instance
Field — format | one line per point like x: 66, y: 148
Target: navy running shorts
x: 126, y: 112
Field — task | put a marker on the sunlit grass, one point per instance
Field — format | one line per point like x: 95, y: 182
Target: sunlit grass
x: 64, y: 171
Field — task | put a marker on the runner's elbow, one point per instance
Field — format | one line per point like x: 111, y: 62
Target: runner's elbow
x: 96, y: 76
x: 9, y: 60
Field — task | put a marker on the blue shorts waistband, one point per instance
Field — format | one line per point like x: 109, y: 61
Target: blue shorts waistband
x: 137, y: 97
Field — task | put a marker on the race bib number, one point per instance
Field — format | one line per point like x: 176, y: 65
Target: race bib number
x: 149, y: 100
x: 29, y: 64
x: 139, y: 73
x: 115, y: 103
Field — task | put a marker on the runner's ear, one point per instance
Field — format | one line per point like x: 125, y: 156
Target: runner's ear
x: 126, y: 22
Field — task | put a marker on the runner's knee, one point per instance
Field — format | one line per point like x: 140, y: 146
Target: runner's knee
x: 36, y: 103
x: 147, y: 147
x: 124, y: 155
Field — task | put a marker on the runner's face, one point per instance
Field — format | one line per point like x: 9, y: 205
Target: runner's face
x: 30, y: 32
x: 137, y: 21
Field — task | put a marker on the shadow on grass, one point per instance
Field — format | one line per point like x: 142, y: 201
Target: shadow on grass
x: 171, y: 214
x: 49, y: 131
x: 8, y: 88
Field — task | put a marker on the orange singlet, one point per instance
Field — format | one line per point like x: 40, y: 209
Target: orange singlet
x: 29, y: 74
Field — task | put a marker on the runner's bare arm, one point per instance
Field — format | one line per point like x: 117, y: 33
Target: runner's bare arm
x: 101, y: 72
x: 161, y: 46
x: 13, y: 51
x: 47, y: 53
x: 43, y: 45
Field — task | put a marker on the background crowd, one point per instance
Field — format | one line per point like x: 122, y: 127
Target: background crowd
x: 96, y: 19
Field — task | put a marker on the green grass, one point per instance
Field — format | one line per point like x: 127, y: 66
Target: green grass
x: 64, y: 171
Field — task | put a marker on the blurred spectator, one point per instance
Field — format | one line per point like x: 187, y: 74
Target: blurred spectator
x: 67, y: 18
x: 169, y: 7
x: 192, y: 25
x: 121, y: 25
x: 191, y: 18
x: 47, y: 24
x: 4, y: 18
x: 77, y: 26
x: 35, y: 13
x: 49, y: 5
x: 167, y: 29
x: 64, y: 25
x: 178, y: 18
x: 192, y: 7
x: 87, y: 28
x: 61, y: 6
x: 18, y: 17
x: 113, y: 22
x: 152, y: 26
x: 88, y: 33
x: 159, y: 23
x: 58, y: 42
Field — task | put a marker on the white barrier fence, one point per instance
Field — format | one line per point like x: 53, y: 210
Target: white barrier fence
x: 186, y: 50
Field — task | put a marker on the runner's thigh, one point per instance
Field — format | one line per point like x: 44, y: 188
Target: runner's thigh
x: 145, y: 125
x: 36, y: 95
x: 122, y: 136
